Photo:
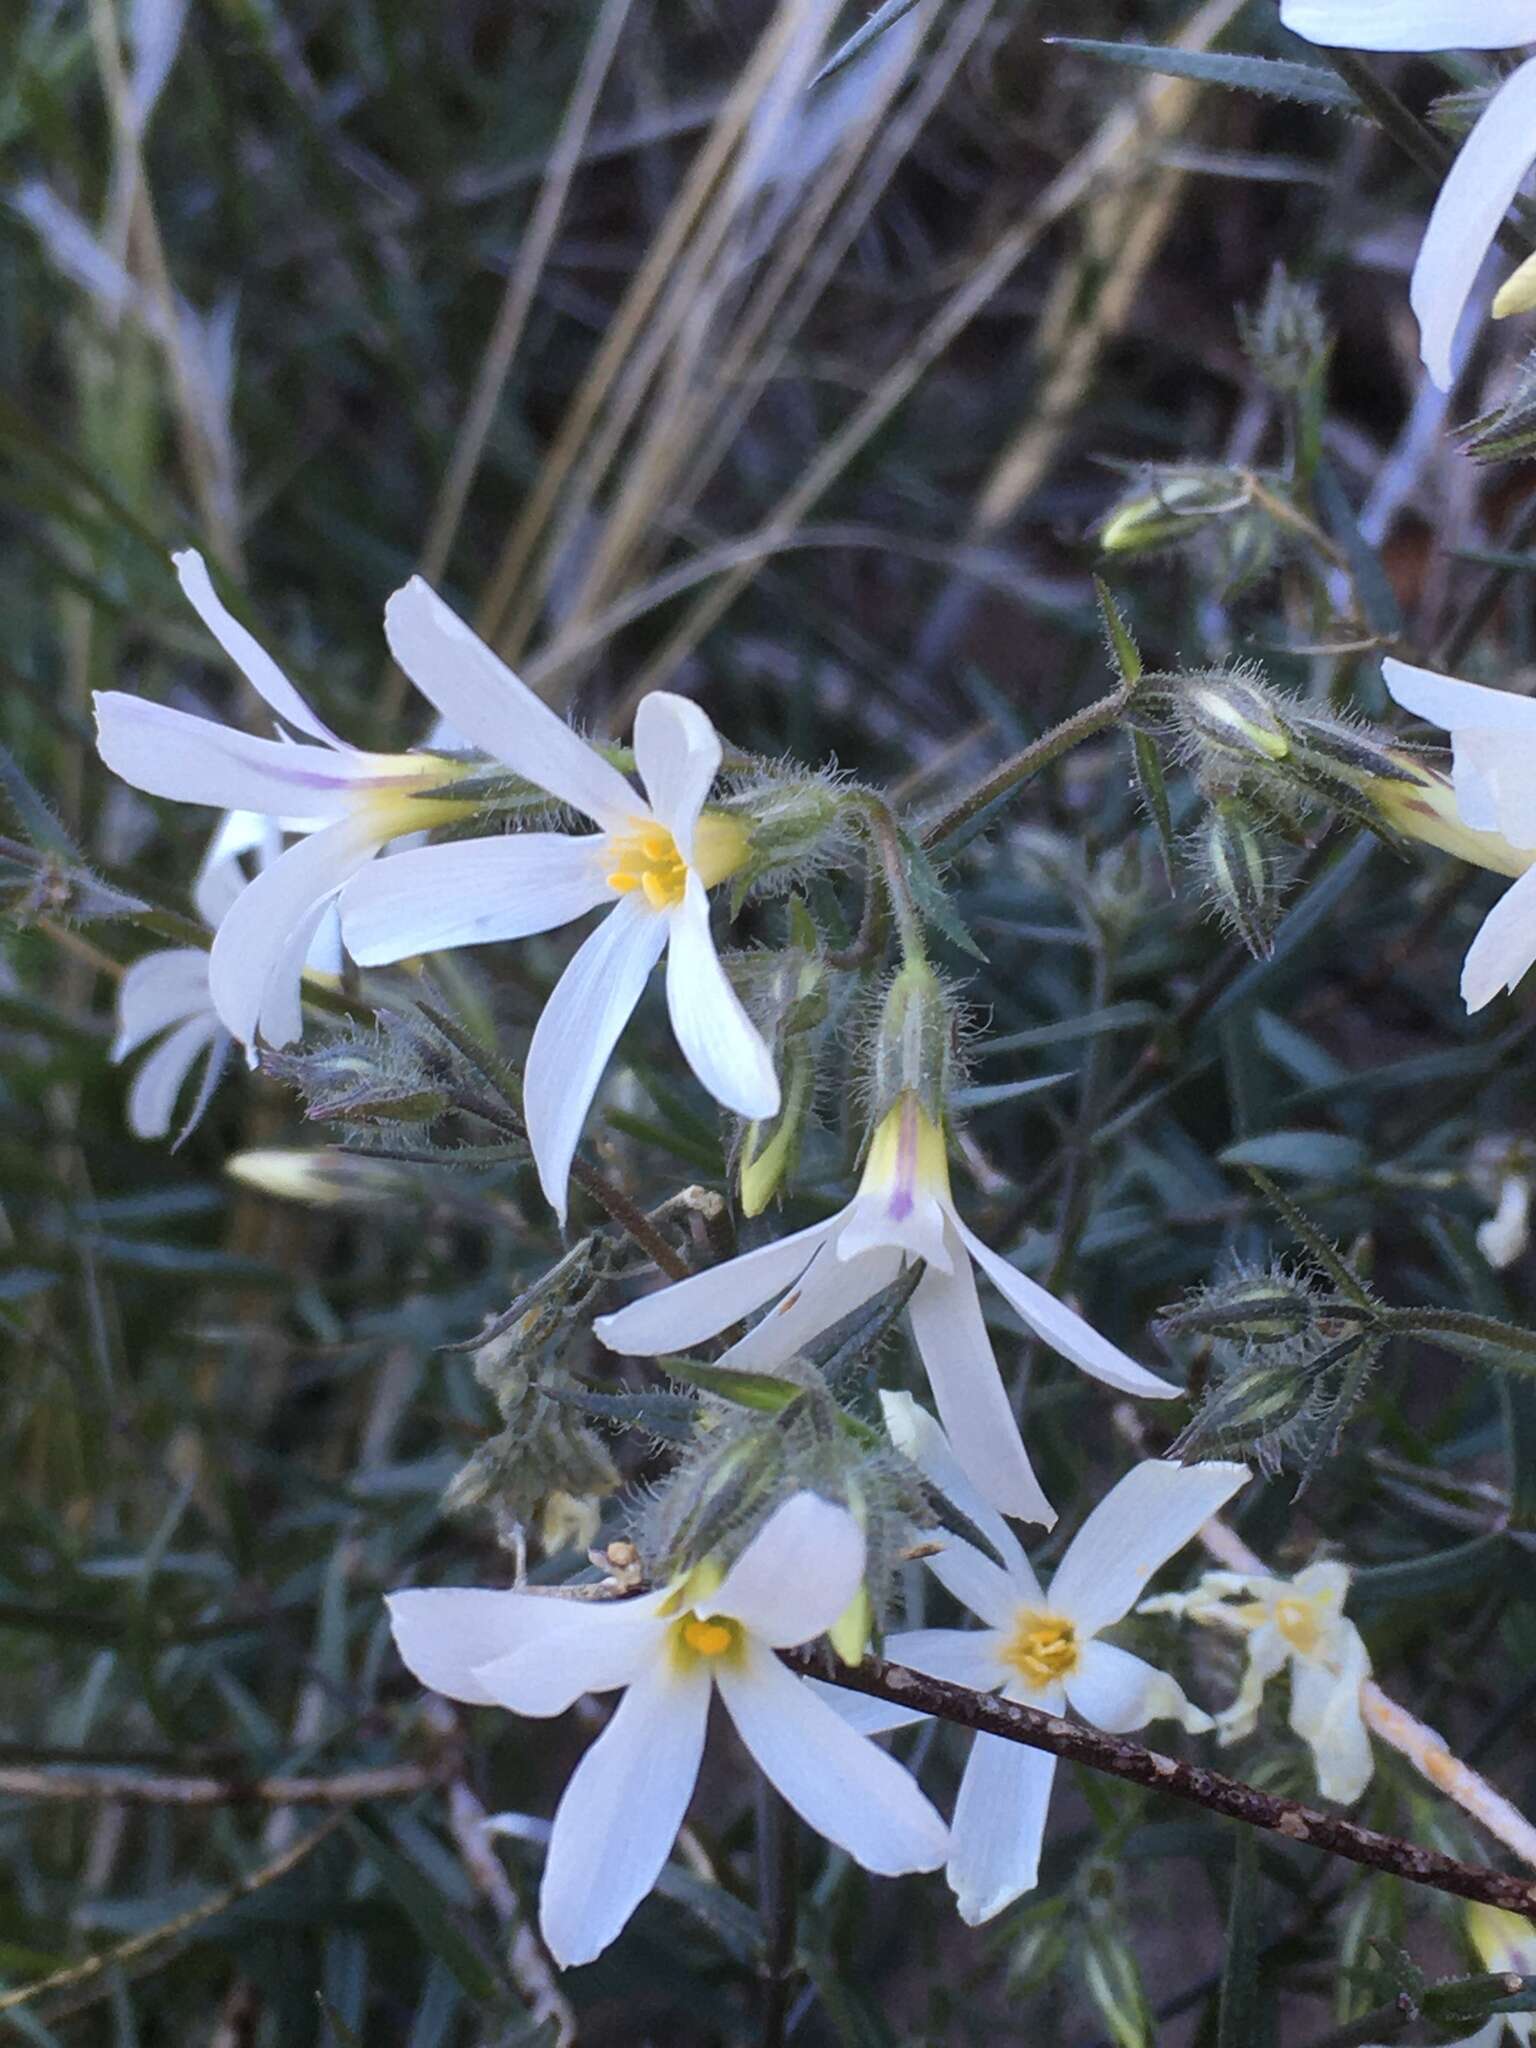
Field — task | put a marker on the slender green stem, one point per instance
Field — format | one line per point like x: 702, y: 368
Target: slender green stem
x: 1517, y: 1345
x: 885, y: 833
x: 778, y: 1900
x: 1483, y: 602
x: 1021, y: 767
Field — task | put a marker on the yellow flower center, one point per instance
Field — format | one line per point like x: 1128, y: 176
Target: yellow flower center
x: 908, y: 1158
x: 1043, y: 1649
x: 709, y: 1636
x: 647, y: 857
x: 1300, y: 1623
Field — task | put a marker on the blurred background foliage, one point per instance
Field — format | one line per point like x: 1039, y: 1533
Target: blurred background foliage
x: 356, y: 288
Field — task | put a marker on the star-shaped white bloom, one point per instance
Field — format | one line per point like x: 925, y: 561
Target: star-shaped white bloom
x: 169, y: 992
x: 1493, y: 737
x: 1297, y: 1622
x: 1040, y: 1647
x: 903, y: 1210
x: 672, y: 1650
x: 651, y: 862
x: 345, y: 804
x: 1490, y: 167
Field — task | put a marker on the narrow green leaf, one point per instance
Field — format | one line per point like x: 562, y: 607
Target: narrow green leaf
x: 1276, y: 77
x: 1239, y: 2011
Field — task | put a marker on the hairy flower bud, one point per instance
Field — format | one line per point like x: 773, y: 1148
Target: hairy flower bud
x: 913, y: 1043
x: 1286, y: 336
x: 1167, y: 506
x: 1507, y: 431
x: 1240, y: 873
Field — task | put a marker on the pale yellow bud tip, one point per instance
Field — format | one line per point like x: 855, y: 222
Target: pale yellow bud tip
x: 1518, y: 292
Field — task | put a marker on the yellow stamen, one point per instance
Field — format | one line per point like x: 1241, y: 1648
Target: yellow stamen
x: 1043, y: 1649
x: 708, y: 1636
x: 647, y: 857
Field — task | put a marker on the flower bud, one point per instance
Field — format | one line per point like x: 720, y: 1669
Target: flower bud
x: 1287, y: 338
x: 326, y: 1179
x: 362, y: 1078
x: 1230, y: 712
x: 770, y: 1151
x: 1240, y: 873
x: 1167, y: 506
x: 1507, y: 431
x: 912, y: 1045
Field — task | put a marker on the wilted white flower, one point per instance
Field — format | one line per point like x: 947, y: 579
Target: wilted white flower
x: 1297, y: 1622
x: 1493, y: 737
x: 672, y: 1650
x: 1492, y: 163
x: 651, y: 864
x: 1040, y: 1647
x: 345, y: 804
x: 903, y: 1210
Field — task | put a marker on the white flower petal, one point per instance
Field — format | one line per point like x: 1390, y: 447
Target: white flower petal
x: 196, y: 761
x: 677, y: 752
x: 582, y: 1646
x: 797, y: 1574
x: 676, y: 1318
x: 1412, y: 24
x: 1063, y: 1329
x: 837, y: 1781
x: 1153, y: 1512
x: 152, y: 1098
x: 621, y: 1812
x: 161, y: 989
x: 479, y: 695
x: 268, y: 928
x: 717, y: 1037
x: 913, y: 1222
x: 470, y: 892
x: 968, y: 1388
x: 917, y: 1436
x: 999, y: 1826
x: 961, y: 1656
x: 829, y: 1289
x: 221, y: 877
x: 575, y: 1036
x: 1119, y: 1692
x: 1478, y: 191
x: 1325, y: 1713
x: 1505, y: 948
x: 1447, y: 701
x: 444, y: 1632
x: 248, y: 655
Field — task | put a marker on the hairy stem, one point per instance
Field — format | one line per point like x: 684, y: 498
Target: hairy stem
x: 1028, y: 762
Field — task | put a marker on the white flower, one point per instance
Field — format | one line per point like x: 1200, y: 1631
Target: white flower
x: 651, y: 863
x: 673, y: 1649
x: 1488, y: 171
x: 347, y: 804
x: 169, y: 991
x: 903, y: 1211
x: 1493, y: 735
x: 1299, y: 1622
x: 1038, y: 1647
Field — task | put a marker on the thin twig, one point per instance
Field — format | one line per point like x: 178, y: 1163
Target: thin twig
x: 345, y: 1788
x: 988, y: 1714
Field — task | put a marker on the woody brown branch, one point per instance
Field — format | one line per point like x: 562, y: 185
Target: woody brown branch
x: 987, y: 1714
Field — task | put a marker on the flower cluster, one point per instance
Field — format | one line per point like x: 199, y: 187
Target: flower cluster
x: 789, y: 1507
